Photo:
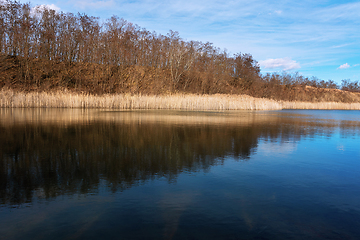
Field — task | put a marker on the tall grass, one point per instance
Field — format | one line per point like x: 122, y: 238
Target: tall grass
x: 320, y: 105
x: 64, y: 99
x: 9, y: 98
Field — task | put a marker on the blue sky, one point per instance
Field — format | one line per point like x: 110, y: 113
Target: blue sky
x: 315, y: 38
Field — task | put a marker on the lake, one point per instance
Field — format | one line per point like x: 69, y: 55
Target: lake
x: 91, y: 174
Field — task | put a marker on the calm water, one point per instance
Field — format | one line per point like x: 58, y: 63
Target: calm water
x: 76, y: 174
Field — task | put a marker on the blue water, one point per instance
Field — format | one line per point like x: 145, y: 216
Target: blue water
x: 179, y: 175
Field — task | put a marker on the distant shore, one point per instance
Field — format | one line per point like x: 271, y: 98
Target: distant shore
x: 65, y: 99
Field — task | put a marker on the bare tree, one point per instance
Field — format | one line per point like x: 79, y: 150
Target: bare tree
x: 181, y: 56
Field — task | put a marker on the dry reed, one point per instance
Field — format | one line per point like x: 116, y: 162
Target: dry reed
x: 64, y: 99
x: 9, y: 98
x: 320, y: 105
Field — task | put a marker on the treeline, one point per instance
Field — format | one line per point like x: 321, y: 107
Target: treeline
x: 42, y: 49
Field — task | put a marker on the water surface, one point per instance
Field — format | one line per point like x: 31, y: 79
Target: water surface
x: 90, y: 174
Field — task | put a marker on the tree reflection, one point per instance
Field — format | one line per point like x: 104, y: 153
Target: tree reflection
x: 48, y: 160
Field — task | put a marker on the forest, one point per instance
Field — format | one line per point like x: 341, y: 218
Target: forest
x: 45, y: 50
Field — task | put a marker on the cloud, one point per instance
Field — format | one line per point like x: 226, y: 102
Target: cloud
x: 49, y: 6
x: 346, y: 11
x: 282, y: 63
x: 40, y: 8
x: 341, y: 45
x: 344, y: 66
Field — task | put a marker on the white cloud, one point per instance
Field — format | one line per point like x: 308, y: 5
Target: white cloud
x: 282, y: 63
x: 49, y: 6
x: 38, y: 9
x: 344, y: 66
x: 346, y: 11
x: 341, y: 45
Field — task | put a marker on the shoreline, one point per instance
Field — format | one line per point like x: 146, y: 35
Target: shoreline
x: 66, y: 99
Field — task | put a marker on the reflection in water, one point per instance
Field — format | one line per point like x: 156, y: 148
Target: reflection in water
x: 91, y: 174
x: 56, y: 159
x: 44, y: 158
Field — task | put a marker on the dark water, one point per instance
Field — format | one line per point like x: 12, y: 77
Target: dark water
x: 75, y: 174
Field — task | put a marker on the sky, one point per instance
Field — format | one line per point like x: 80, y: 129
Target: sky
x: 314, y: 38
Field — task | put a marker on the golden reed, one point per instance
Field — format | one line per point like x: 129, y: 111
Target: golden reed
x: 64, y: 99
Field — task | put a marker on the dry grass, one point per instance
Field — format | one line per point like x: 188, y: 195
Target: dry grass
x: 320, y: 105
x: 9, y: 98
x: 64, y: 99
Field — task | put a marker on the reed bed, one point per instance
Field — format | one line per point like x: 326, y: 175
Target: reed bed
x: 64, y: 99
x: 12, y: 99
x: 321, y: 105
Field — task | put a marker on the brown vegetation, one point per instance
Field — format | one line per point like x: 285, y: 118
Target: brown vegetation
x: 42, y: 50
x: 10, y: 98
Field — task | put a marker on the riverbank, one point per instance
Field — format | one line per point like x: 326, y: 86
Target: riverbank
x: 65, y: 99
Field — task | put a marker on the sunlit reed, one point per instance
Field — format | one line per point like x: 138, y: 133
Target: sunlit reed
x: 320, y: 105
x: 13, y: 99
x: 9, y: 98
